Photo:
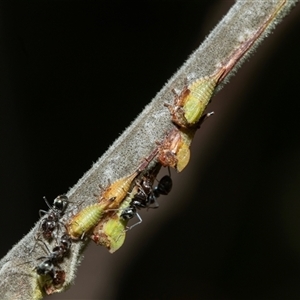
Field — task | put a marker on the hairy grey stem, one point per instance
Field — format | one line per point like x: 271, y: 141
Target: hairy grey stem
x: 17, y: 277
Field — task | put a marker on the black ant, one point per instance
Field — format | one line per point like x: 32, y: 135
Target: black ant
x: 147, y: 196
x: 141, y: 198
x: 52, y: 217
x: 164, y: 187
x: 47, y: 267
x: 51, y: 221
x: 50, y: 266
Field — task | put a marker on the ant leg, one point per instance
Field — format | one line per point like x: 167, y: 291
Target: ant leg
x: 169, y: 171
x: 42, y: 212
x: 46, y: 247
x: 83, y: 236
x: 38, y: 235
x: 137, y: 223
x: 37, y: 238
x: 203, y: 118
x: 45, y: 199
x: 156, y: 205
x: 152, y: 200
x: 60, y: 223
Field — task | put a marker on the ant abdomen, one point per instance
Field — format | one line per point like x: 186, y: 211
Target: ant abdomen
x: 164, y: 186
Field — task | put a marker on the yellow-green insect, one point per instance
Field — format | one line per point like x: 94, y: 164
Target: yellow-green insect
x: 85, y: 220
x: 187, y: 135
x: 117, y: 191
x: 114, y: 194
x: 174, y: 151
x: 190, y: 104
x: 183, y: 153
x: 90, y: 216
x: 111, y: 231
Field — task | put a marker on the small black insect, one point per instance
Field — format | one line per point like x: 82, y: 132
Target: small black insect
x: 47, y: 267
x: 129, y: 212
x: 141, y: 198
x: 62, y: 250
x: 50, y: 265
x: 147, y: 196
x: 164, y: 187
x: 51, y: 221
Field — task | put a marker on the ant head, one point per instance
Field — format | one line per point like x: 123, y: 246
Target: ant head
x: 66, y: 243
x: 61, y: 202
x: 45, y: 267
x: 128, y: 213
x: 48, y: 225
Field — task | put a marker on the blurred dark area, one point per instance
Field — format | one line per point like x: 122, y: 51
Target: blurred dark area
x: 74, y: 74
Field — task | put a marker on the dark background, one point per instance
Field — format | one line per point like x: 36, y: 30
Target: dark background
x: 74, y: 74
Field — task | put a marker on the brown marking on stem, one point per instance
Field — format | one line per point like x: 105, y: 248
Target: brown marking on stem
x: 238, y: 54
